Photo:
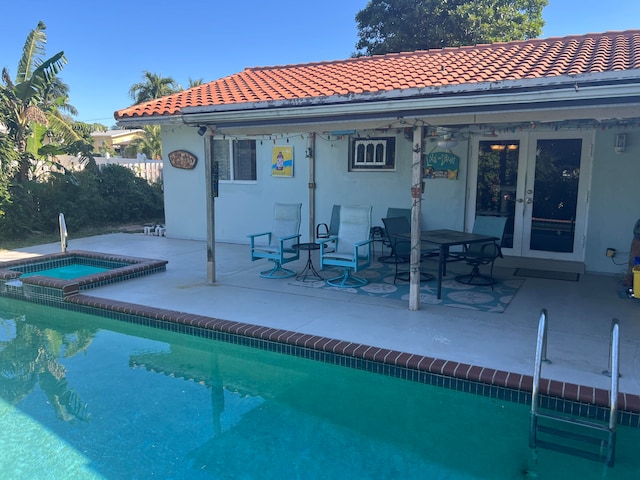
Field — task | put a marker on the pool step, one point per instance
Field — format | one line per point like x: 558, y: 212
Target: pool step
x: 573, y: 436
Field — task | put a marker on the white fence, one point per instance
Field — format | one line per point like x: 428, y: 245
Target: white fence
x: 150, y: 170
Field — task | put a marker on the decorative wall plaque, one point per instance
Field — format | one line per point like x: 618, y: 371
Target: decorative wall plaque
x: 183, y: 159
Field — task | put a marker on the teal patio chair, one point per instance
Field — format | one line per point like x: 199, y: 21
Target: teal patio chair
x: 478, y: 254
x: 350, y: 248
x: 277, y: 245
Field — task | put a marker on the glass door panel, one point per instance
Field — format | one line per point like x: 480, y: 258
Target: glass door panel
x: 555, y: 194
x: 497, y: 182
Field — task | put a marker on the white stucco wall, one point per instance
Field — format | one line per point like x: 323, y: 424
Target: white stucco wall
x: 184, y: 190
x: 614, y: 205
x: 246, y: 207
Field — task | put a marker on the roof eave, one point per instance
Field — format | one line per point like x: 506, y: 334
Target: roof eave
x: 564, y: 88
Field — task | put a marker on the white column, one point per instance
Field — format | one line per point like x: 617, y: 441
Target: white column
x: 416, y: 215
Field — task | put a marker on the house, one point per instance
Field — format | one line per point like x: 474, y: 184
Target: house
x: 115, y: 140
x: 543, y: 131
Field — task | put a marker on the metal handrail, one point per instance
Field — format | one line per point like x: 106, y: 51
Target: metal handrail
x: 615, y: 368
x: 541, y: 353
x: 63, y: 232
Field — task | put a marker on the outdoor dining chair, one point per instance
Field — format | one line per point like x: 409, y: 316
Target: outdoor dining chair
x: 277, y: 245
x: 479, y: 254
x: 401, y: 249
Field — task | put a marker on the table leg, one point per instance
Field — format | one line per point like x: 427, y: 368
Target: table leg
x: 441, y: 269
x: 308, y: 270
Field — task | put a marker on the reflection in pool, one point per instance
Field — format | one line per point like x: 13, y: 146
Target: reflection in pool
x: 90, y: 397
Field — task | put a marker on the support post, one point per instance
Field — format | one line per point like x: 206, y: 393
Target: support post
x: 310, y: 155
x: 416, y: 215
x: 210, y: 200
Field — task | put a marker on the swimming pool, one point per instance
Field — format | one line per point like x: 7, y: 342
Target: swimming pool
x: 90, y: 397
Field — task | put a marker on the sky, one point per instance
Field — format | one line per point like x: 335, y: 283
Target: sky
x: 108, y: 45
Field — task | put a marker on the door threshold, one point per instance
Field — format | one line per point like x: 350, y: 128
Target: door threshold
x: 540, y: 264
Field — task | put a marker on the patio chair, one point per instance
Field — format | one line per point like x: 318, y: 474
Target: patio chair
x: 392, y: 213
x: 351, y: 247
x: 401, y: 248
x: 277, y: 245
x: 325, y: 231
x: 478, y: 254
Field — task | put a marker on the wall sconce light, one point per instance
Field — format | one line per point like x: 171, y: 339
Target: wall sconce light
x: 202, y: 130
x: 621, y: 143
x: 447, y: 142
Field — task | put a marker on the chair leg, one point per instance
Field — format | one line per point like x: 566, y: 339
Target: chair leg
x: 405, y: 276
x: 476, y: 278
x: 278, y: 271
x: 346, y: 280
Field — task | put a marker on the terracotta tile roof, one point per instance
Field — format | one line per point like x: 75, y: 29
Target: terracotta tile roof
x: 521, y: 60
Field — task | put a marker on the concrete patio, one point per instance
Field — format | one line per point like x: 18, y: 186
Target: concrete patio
x: 580, y: 313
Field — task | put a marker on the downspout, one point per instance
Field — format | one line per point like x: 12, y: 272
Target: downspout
x: 416, y: 215
x: 310, y: 154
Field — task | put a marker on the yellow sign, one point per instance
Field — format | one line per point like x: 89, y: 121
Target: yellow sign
x: 282, y: 162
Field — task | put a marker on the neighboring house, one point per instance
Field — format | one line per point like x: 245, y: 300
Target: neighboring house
x: 116, y: 140
x: 544, y: 131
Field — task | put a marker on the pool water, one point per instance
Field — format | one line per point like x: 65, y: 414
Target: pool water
x: 86, y: 397
x: 68, y: 272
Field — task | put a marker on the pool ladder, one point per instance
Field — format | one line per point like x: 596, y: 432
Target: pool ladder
x: 569, y: 431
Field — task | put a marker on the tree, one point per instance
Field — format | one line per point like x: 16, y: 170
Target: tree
x: 31, y: 105
x: 152, y: 86
x: 151, y: 143
x: 386, y: 26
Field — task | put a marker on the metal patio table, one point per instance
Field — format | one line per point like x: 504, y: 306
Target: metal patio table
x: 444, y: 239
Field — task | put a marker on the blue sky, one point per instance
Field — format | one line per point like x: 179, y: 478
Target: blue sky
x: 109, y: 44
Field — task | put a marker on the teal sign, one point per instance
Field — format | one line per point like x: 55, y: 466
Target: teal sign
x: 441, y: 165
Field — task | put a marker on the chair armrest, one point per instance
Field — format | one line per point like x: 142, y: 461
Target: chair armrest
x: 358, y: 245
x: 327, y: 240
x: 288, y: 237
x: 324, y: 233
x: 253, y: 237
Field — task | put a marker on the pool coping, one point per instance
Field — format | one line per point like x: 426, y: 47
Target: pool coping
x: 135, y: 267
x: 561, y: 396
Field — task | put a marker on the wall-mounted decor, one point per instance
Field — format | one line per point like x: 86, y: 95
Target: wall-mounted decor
x: 183, y: 159
x: 282, y: 162
x: 441, y: 165
x: 373, y: 154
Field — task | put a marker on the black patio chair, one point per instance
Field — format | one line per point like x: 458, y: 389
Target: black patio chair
x: 401, y: 249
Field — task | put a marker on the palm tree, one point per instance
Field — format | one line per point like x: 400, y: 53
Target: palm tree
x: 152, y: 86
x: 31, y: 105
x: 151, y: 143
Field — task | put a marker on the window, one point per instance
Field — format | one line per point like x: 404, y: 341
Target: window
x: 236, y: 159
x: 373, y: 154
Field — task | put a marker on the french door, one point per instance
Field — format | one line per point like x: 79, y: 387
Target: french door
x: 539, y: 181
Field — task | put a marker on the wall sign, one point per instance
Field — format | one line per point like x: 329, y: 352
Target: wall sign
x: 441, y: 165
x: 282, y: 162
x: 183, y: 159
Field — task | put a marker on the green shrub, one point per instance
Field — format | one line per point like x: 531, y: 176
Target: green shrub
x: 90, y: 198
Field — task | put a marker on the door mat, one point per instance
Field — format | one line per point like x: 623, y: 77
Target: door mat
x: 548, y: 274
x: 454, y: 294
